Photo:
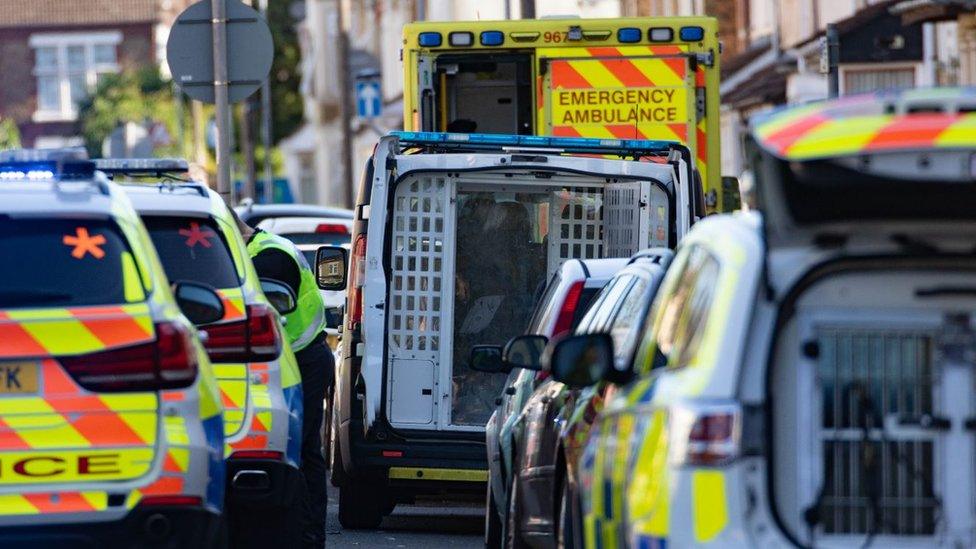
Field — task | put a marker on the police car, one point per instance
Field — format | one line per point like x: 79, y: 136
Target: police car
x: 197, y: 240
x: 453, y: 237
x: 806, y: 377
x: 110, y: 415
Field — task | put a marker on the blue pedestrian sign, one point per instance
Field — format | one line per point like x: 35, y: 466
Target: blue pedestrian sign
x: 369, y: 102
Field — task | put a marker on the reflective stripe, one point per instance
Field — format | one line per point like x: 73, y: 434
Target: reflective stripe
x: 422, y: 473
x: 709, y: 511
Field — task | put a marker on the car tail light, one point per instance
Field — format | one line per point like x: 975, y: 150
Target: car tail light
x: 332, y: 228
x: 169, y: 362
x: 567, y: 312
x: 254, y: 339
x: 160, y: 501
x: 357, y: 276
x: 258, y: 454
x: 706, y: 434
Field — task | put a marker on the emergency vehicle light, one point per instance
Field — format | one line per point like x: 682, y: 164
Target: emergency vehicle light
x: 660, y: 34
x: 141, y: 165
x: 492, y: 38
x: 429, y: 39
x: 460, y: 39
x: 692, y: 34
x: 46, y: 171
x: 629, y: 35
x: 524, y: 36
x: 566, y: 144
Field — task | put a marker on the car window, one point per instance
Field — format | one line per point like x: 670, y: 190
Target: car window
x: 193, y: 249
x: 619, y: 289
x: 541, y: 307
x: 586, y: 322
x: 682, y: 317
x: 65, y: 263
x: 627, y: 320
x: 324, y: 239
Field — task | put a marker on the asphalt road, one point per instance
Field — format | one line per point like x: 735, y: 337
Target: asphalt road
x: 428, y: 525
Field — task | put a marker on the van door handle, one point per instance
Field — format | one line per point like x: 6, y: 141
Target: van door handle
x: 926, y: 421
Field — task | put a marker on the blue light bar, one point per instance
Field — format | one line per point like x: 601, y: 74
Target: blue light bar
x: 692, y: 34
x: 43, y: 155
x: 45, y: 165
x: 430, y: 39
x: 629, y: 35
x: 492, y: 38
x: 563, y: 144
x: 141, y: 165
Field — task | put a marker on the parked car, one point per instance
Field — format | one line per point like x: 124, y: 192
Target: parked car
x: 563, y: 303
x: 454, y: 234
x: 197, y: 240
x: 111, y: 414
x: 806, y: 376
x: 253, y: 214
x: 556, y: 419
x: 332, y: 231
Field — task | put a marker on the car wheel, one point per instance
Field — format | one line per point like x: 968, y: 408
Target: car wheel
x: 361, y: 507
x: 493, y: 522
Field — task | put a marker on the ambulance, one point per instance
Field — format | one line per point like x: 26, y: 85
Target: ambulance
x: 625, y: 78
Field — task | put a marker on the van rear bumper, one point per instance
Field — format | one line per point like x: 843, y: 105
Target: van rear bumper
x: 161, y: 527
x: 423, y: 464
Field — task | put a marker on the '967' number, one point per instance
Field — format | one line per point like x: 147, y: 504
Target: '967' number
x: 556, y: 36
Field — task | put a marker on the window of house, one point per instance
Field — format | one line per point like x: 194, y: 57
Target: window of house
x: 858, y: 80
x: 67, y: 67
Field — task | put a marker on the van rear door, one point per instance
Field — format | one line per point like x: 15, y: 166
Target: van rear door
x: 470, y: 238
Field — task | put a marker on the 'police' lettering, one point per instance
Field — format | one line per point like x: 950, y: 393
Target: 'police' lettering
x: 107, y: 464
x: 91, y: 465
x: 24, y: 468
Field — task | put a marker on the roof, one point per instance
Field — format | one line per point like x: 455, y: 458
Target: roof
x: 50, y: 13
x: 914, y: 11
x: 173, y: 199
x: 919, y: 119
x: 57, y: 198
x: 855, y: 21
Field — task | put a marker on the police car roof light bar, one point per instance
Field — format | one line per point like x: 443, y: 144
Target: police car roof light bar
x: 572, y: 145
x: 141, y: 166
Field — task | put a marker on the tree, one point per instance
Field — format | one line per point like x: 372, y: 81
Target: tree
x: 9, y: 134
x: 286, y: 100
x: 141, y: 96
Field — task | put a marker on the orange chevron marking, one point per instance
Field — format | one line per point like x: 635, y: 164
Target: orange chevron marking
x: 165, y: 485
x: 174, y: 396
x: 782, y: 139
x: 681, y: 130
x: 916, y: 130
x: 256, y: 424
x: 9, y: 439
x: 250, y: 442
x: 120, y: 329
x: 565, y: 76
x: 15, y: 341
x: 565, y: 131
x: 70, y: 502
x: 628, y: 73
x: 170, y: 465
x: 56, y: 380
x: 106, y: 429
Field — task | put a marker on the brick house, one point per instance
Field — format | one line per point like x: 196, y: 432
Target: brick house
x: 52, y: 52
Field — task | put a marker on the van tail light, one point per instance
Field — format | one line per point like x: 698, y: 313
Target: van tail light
x: 706, y: 434
x: 567, y: 312
x: 169, y: 362
x: 254, y: 339
x: 357, y: 277
x: 331, y: 228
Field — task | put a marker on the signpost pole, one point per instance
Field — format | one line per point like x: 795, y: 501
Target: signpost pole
x: 266, y: 127
x: 833, y: 57
x: 218, y: 12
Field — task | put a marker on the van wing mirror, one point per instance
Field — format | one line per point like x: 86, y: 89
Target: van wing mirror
x: 488, y: 359
x: 281, y: 297
x: 525, y: 351
x: 581, y: 360
x: 731, y: 195
x: 200, y: 304
x: 331, y: 270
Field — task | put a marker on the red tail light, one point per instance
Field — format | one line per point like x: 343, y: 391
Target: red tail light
x: 564, y: 322
x: 258, y: 454
x: 357, y: 275
x: 707, y: 434
x: 255, y: 339
x: 160, y: 501
x: 169, y: 362
x: 332, y: 228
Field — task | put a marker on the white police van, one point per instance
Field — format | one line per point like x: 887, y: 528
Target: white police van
x: 454, y: 237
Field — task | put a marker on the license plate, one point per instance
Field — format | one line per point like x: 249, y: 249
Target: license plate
x: 18, y: 377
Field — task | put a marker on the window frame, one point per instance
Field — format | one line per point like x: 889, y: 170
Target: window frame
x: 60, y: 43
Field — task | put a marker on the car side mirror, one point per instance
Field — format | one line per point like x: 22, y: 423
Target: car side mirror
x: 199, y: 303
x: 581, y: 360
x: 281, y: 297
x: 333, y: 317
x: 488, y: 359
x: 525, y: 351
x: 331, y: 268
x: 731, y: 195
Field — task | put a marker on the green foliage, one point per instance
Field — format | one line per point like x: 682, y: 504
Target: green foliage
x: 285, y: 77
x: 9, y: 134
x: 138, y: 96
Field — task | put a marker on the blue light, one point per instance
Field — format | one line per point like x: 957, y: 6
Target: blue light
x: 569, y: 143
x: 430, y: 39
x: 492, y: 38
x: 692, y: 34
x: 629, y: 35
x: 27, y: 171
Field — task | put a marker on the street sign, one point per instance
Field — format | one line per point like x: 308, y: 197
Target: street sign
x: 369, y: 103
x: 189, y: 51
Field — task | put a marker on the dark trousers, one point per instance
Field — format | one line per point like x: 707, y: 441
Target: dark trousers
x: 317, y: 367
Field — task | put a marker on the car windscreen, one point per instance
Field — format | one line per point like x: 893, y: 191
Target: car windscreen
x: 193, y: 249
x: 65, y: 263
x: 323, y: 239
